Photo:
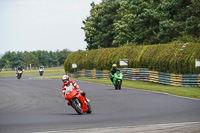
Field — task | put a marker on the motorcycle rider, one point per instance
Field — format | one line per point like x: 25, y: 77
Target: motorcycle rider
x: 113, y: 71
x: 70, y: 83
x: 41, y: 70
x: 19, y: 69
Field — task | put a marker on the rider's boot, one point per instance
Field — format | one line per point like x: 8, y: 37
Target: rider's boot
x: 84, y: 95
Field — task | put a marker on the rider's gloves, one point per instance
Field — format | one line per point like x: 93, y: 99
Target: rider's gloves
x: 78, y: 90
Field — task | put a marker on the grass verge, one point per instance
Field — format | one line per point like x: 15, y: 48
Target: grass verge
x: 192, y: 92
x: 47, y: 71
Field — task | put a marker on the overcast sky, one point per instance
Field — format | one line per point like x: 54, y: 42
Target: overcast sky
x: 30, y: 25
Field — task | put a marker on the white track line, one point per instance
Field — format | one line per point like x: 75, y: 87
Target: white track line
x: 153, y: 128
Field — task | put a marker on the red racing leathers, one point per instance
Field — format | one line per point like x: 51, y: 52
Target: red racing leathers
x: 70, y: 84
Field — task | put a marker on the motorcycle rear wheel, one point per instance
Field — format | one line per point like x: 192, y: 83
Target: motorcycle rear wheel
x: 120, y: 84
x: 89, y: 108
x: 77, y: 106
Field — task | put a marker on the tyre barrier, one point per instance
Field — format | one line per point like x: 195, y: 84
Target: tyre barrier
x: 143, y: 74
x: 88, y: 73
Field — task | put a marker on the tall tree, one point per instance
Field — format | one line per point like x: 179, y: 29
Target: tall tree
x: 62, y: 55
x: 99, y: 26
x: 30, y: 58
x: 146, y: 22
x: 124, y: 24
x: 114, y: 23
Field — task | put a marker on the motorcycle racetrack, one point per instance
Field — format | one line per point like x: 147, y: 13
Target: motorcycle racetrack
x: 36, y: 105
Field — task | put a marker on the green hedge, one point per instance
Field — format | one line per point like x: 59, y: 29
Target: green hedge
x: 172, y: 58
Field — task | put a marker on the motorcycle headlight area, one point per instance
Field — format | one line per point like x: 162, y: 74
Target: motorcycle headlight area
x: 68, y: 90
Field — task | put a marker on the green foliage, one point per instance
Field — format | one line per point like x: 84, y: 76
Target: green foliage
x: 35, y: 58
x: 173, y: 58
x: 125, y: 24
x: 30, y: 58
x: 186, y: 38
x: 47, y: 71
x: 99, y: 25
x: 114, y: 23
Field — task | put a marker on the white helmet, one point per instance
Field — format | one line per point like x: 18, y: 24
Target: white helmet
x: 65, y: 79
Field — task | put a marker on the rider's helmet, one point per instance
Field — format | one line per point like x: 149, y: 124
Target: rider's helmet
x: 65, y: 79
x: 114, y: 66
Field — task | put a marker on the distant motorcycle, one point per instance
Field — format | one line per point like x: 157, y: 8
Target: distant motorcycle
x: 19, y: 74
x: 77, y: 101
x: 117, y: 80
x: 41, y: 71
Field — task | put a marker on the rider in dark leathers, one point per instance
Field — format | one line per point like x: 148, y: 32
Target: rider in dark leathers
x: 113, y: 71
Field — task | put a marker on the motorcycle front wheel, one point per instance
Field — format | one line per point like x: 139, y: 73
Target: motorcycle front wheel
x: 76, y: 104
x: 116, y: 87
x: 18, y: 76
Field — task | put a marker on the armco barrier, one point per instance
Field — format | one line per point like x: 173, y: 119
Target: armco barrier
x: 143, y: 74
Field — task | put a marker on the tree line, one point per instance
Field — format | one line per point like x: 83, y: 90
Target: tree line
x: 35, y: 58
x: 114, y: 23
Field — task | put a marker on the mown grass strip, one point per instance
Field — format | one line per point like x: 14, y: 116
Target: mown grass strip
x: 192, y: 92
x: 47, y: 71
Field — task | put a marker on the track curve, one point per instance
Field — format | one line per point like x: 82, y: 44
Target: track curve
x: 36, y: 105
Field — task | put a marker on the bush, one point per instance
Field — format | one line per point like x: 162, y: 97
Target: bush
x: 175, y: 58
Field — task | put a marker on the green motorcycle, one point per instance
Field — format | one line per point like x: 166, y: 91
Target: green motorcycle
x: 117, y: 80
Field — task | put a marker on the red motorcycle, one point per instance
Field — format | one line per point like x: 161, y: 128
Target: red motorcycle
x: 77, y: 101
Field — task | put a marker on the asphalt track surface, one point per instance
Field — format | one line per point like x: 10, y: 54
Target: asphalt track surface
x: 36, y: 105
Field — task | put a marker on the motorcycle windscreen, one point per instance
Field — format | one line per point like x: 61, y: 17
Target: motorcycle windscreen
x: 70, y: 92
x: 19, y: 71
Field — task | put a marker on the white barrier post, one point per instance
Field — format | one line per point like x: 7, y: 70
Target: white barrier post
x: 197, y: 63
